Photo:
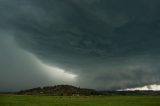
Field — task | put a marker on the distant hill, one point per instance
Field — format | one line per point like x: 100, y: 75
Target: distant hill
x: 59, y: 90
x: 68, y: 90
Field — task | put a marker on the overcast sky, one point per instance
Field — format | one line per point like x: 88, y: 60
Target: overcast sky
x: 99, y: 44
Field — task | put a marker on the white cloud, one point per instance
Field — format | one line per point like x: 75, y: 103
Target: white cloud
x: 153, y: 87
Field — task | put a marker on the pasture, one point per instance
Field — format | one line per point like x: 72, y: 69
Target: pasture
x: 22, y: 100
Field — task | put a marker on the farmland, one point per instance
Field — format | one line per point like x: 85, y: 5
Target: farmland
x: 26, y: 100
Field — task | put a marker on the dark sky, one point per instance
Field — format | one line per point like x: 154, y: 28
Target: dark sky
x: 100, y: 44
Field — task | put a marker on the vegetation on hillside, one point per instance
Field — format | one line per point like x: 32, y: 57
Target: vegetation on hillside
x: 68, y: 90
x: 59, y: 90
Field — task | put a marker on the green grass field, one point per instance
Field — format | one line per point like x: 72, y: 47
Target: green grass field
x: 13, y: 100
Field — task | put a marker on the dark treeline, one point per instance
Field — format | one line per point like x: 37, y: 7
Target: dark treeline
x: 68, y: 90
x: 59, y: 90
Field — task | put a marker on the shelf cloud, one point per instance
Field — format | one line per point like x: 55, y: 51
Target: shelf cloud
x: 100, y: 44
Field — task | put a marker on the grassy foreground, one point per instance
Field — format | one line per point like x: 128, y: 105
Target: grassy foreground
x: 13, y: 100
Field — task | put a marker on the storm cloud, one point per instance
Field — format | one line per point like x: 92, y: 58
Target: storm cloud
x: 103, y: 44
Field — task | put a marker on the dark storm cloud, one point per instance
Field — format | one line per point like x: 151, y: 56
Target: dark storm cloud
x: 21, y: 69
x: 111, y: 43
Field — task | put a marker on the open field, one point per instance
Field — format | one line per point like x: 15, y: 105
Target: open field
x: 15, y: 100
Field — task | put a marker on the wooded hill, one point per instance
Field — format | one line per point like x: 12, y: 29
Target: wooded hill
x: 59, y: 90
x: 68, y: 90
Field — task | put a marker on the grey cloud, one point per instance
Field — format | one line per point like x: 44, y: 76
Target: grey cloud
x: 20, y: 69
x: 113, y: 44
